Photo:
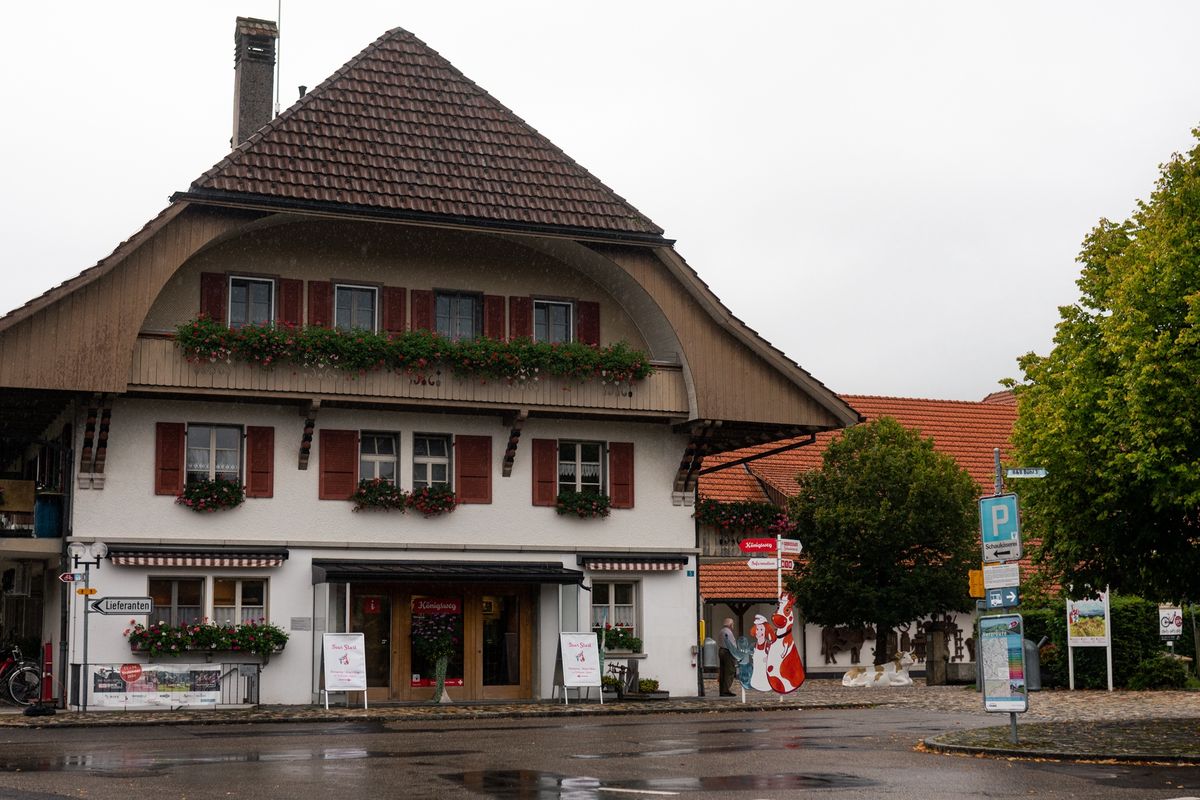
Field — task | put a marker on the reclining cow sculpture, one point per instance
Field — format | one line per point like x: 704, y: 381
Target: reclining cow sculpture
x: 893, y: 673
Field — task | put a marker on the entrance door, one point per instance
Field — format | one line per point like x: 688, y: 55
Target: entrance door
x: 489, y: 628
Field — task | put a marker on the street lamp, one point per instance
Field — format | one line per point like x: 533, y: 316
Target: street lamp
x: 86, y: 555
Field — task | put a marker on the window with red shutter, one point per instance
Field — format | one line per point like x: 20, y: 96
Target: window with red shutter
x: 493, y: 316
x: 260, y: 461
x: 520, y: 317
x: 620, y: 474
x: 168, y: 458
x: 473, y: 469
x: 587, y: 322
x: 394, y: 301
x: 320, y: 303
x: 339, y: 464
x: 291, y: 302
x: 213, y: 293
x: 422, y: 310
x: 545, y: 472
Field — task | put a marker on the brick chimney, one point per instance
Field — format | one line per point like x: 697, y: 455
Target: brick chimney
x: 253, y: 76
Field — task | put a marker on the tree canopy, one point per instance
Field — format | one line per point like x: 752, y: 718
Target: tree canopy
x: 1113, y: 412
x: 889, y: 527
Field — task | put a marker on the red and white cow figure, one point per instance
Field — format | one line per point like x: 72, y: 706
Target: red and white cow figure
x: 785, y: 670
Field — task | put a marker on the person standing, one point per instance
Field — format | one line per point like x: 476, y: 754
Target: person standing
x: 728, y: 665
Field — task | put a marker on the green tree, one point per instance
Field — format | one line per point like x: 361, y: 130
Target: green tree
x: 1113, y: 412
x: 889, y: 527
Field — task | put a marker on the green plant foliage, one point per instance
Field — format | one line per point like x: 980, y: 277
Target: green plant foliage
x: 381, y: 494
x: 647, y: 685
x: 433, y: 500
x: 610, y: 683
x: 585, y: 505
x: 435, y: 636
x: 745, y: 515
x: 617, y: 637
x: 890, y: 529
x: 1111, y: 412
x: 261, y: 637
x: 212, y: 494
x: 1161, y: 671
x: 421, y: 354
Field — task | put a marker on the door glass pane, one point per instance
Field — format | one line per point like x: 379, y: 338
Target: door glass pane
x: 371, y: 614
x: 434, y: 619
x: 501, y: 640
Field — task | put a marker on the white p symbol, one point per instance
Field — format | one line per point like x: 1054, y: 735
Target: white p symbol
x: 999, y: 517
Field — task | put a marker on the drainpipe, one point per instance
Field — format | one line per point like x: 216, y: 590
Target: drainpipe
x: 699, y: 609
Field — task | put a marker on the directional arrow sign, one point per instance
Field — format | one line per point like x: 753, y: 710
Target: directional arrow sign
x: 1006, y: 597
x: 763, y: 545
x: 790, y: 547
x: 762, y: 563
x: 71, y: 577
x: 123, y: 605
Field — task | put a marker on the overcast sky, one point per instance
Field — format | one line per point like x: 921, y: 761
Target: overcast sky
x: 893, y: 193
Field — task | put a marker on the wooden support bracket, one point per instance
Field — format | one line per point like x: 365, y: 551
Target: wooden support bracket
x: 95, y: 442
x: 514, y: 425
x: 309, y: 412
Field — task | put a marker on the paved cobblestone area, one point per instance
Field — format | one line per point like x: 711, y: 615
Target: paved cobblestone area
x: 1143, y: 726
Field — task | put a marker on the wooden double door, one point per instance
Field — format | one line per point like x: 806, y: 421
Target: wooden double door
x: 490, y: 626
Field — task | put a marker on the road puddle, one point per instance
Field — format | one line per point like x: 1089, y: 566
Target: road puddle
x: 533, y: 785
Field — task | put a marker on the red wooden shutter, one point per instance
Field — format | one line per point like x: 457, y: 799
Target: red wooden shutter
x: 168, y: 458
x: 493, y: 316
x: 394, y: 301
x: 291, y: 302
x: 520, y: 317
x: 339, y: 464
x: 260, y: 461
x: 620, y: 474
x: 473, y: 469
x: 422, y: 310
x: 545, y: 472
x: 587, y: 322
x: 320, y: 303
x: 214, y: 290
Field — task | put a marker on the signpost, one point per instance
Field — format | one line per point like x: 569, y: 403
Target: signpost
x: 85, y: 590
x: 1003, y: 598
x: 1027, y: 472
x: 1002, y: 666
x: 123, y: 605
x: 1089, y: 624
x: 1170, y: 622
x: 1000, y: 526
x: 1001, y: 576
x: 976, y: 578
x: 762, y: 563
x: 790, y: 547
x: 763, y: 545
x: 71, y: 577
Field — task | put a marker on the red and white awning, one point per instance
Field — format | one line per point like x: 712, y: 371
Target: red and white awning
x: 134, y: 560
x: 614, y: 563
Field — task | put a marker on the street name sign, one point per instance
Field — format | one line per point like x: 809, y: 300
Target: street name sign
x: 1001, y: 576
x: 70, y: 577
x: 123, y: 605
x: 1027, y: 472
x: 1006, y: 597
x: 1000, y: 528
x: 763, y: 545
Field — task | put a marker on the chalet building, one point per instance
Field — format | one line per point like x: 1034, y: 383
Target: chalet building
x: 967, y: 431
x: 395, y: 201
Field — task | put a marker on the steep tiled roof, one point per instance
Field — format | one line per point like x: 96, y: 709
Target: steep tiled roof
x: 398, y: 129
x: 967, y: 431
x: 732, y: 580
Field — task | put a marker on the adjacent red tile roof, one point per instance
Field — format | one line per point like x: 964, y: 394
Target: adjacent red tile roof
x: 399, y: 129
x: 733, y: 484
x: 733, y: 580
x: 967, y: 431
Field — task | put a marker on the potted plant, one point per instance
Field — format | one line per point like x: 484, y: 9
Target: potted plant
x: 434, y: 639
x: 212, y: 494
x: 257, y: 637
x: 647, y: 689
x: 585, y: 505
x: 433, y: 500
x: 620, y: 638
x: 610, y: 686
x: 379, y: 493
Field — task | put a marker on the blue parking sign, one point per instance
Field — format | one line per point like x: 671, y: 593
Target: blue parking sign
x: 1000, y: 528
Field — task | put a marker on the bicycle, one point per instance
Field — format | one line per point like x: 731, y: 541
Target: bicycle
x: 21, y: 679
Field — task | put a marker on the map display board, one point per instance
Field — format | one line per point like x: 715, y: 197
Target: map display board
x: 1002, y: 663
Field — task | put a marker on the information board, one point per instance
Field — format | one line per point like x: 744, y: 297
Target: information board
x: 345, y: 662
x: 1087, y: 622
x: 134, y: 686
x: 1002, y: 663
x: 1170, y: 622
x: 580, y: 654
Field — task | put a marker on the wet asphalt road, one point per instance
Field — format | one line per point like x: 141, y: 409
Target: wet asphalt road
x: 836, y: 754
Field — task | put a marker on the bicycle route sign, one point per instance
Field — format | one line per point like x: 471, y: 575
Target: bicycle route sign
x: 123, y: 605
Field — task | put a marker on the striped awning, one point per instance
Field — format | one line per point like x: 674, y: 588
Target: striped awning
x: 628, y: 563
x: 224, y: 558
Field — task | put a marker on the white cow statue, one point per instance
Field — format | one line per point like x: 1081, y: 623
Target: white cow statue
x: 893, y: 673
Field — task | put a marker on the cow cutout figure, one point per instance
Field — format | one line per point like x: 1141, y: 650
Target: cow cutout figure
x: 785, y: 670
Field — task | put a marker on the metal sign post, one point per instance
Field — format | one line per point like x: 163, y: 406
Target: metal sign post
x: 97, y: 551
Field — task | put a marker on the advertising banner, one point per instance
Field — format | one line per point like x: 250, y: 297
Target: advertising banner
x: 580, y: 659
x: 131, y: 686
x: 437, y: 617
x: 345, y: 662
x: 1087, y: 622
x: 1002, y: 663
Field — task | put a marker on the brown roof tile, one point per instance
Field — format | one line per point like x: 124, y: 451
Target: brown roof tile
x: 733, y: 580
x: 398, y: 128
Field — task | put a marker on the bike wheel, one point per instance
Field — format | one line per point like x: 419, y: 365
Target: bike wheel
x: 25, y: 685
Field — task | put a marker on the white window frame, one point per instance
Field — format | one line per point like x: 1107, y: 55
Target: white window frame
x: 173, y: 614
x: 634, y: 616
x: 229, y: 294
x: 476, y: 317
x: 374, y: 290
x: 429, y: 461
x: 545, y: 303
x: 602, y: 487
x: 377, y: 458
x: 212, y: 448
x: 238, y: 607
